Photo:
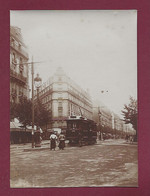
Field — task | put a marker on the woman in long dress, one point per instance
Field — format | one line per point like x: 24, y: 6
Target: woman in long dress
x: 53, y: 139
x: 61, y: 142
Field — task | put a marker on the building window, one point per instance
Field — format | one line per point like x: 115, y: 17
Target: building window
x: 12, y: 40
x: 60, y: 109
x: 14, y: 58
x: 59, y: 87
x: 59, y: 113
x: 59, y: 95
x: 19, y: 45
x: 21, y: 65
x: 59, y: 79
x: 13, y: 99
x: 21, y: 73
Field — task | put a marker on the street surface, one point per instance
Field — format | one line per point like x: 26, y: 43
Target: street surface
x: 108, y: 163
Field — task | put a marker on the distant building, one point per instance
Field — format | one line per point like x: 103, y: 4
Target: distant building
x: 107, y: 118
x: 63, y: 97
x: 102, y: 115
x: 118, y: 123
x: 18, y: 70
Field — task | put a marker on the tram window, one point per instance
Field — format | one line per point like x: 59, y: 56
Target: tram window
x: 77, y: 125
x: 69, y: 125
x: 74, y: 125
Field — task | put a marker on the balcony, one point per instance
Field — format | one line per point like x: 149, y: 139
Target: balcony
x: 19, y: 49
x: 18, y: 77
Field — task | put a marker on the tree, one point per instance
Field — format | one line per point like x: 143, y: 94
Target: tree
x: 130, y: 113
x: 13, y: 110
x: 42, y: 115
x: 24, y: 111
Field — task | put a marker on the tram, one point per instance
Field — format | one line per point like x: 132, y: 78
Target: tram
x: 81, y: 131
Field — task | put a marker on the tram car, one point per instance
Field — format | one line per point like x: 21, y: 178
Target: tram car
x: 81, y: 131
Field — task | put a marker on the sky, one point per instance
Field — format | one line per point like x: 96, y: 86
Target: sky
x: 96, y: 48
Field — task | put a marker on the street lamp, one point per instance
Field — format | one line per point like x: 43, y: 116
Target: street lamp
x: 37, y: 82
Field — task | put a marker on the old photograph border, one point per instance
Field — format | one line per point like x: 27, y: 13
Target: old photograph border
x: 143, y: 95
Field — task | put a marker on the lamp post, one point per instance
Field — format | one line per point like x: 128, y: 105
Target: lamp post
x: 99, y: 113
x: 100, y: 122
x: 32, y: 72
x: 37, y: 82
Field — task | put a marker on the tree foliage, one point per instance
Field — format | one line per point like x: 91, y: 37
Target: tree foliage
x: 130, y: 113
x: 23, y: 111
x: 13, y: 110
x: 42, y: 115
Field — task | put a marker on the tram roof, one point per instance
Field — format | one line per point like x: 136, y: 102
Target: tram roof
x: 78, y: 118
x: 73, y: 117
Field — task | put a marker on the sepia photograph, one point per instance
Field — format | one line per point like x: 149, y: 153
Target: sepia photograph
x: 73, y: 98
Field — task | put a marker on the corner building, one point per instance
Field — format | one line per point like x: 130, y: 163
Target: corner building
x: 63, y: 97
x: 19, y: 79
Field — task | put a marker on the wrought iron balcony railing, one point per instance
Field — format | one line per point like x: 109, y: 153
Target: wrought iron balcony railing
x: 18, y: 76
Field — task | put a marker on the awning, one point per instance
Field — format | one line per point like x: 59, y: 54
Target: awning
x: 15, y: 125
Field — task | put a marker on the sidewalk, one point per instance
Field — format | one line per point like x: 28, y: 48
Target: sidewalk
x: 45, y: 144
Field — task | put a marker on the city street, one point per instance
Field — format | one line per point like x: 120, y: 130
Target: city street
x: 107, y: 163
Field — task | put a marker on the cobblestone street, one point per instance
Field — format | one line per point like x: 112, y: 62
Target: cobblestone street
x: 108, y: 163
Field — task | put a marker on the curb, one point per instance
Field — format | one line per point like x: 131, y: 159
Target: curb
x: 35, y: 149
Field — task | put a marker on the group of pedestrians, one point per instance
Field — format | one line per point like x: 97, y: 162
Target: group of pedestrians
x: 129, y: 138
x: 53, y: 140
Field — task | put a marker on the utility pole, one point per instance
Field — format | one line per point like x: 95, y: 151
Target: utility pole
x: 32, y: 72
x: 100, y: 123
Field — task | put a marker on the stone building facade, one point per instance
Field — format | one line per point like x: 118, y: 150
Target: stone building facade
x: 102, y: 115
x: 106, y: 118
x: 19, y: 85
x: 63, y: 97
x: 118, y: 123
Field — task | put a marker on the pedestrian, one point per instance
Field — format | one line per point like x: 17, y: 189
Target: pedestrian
x: 61, y: 142
x: 127, y: 137
x: 53, y: 139
x: 40, y: 139
x: 131, y: 139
